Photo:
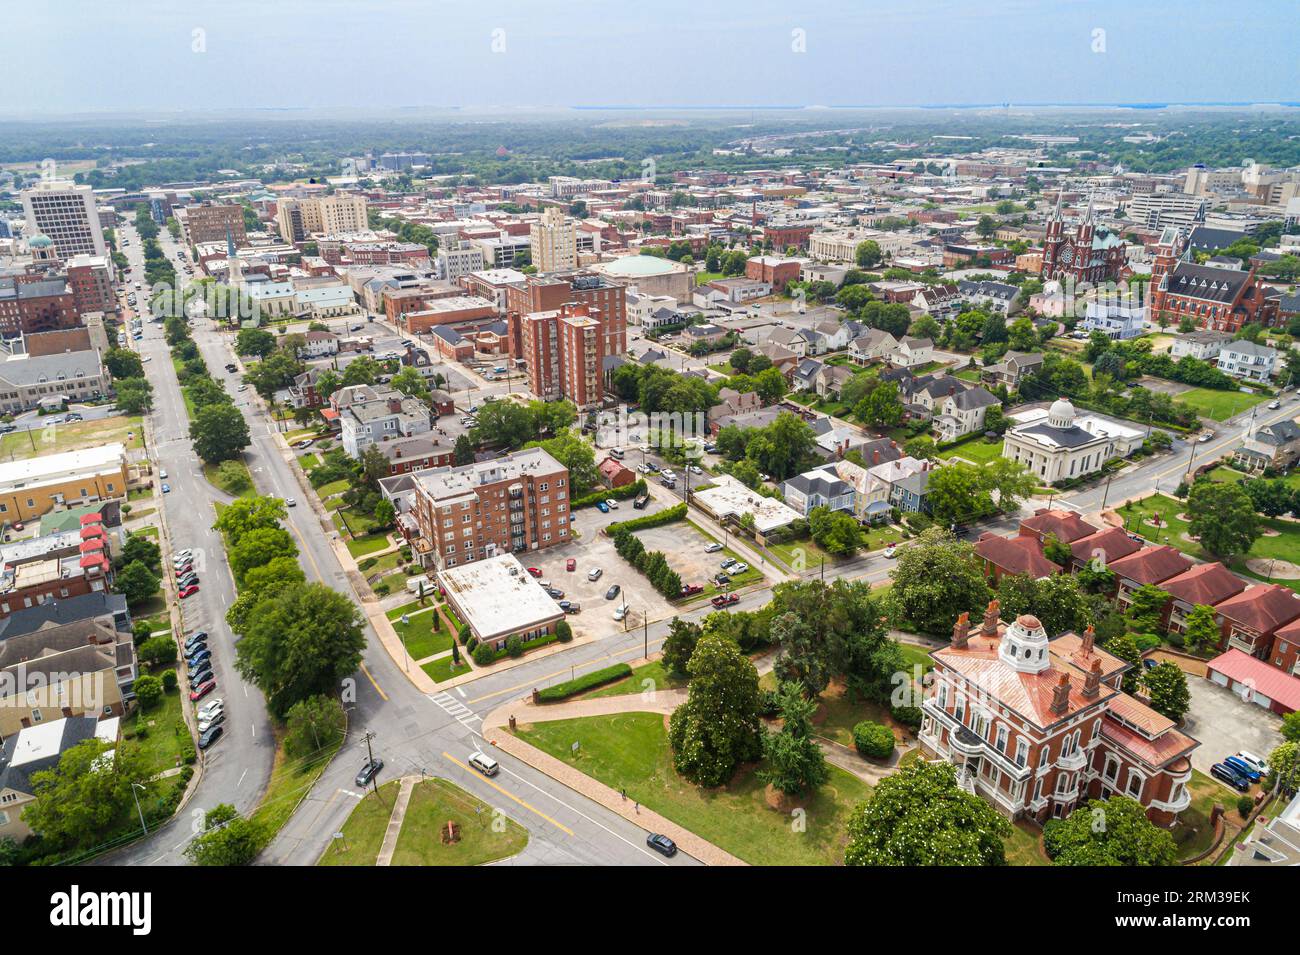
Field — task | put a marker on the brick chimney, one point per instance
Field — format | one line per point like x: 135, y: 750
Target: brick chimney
x: 1092, y: 682
x: 875, y: 456
x: 990, y: 628
x: 1061, y: 695
x: 961, y: 631
x: 1089, y: 638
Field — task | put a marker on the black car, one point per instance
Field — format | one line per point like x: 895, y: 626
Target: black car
x: 369, y: 771
x: 556, y: 593
x: 201, y: 675
x: 198, y: 636
x: 210, y: 735
x: 1230, y: 776
x: 612, y: 592
x: 661, y: 843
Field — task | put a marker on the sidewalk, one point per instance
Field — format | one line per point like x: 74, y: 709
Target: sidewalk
x: 394, y: 830
x: 495, y: 732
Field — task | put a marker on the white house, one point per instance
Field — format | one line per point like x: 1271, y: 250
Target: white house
x: 963, y: 413
x: 872, y: 345
x: 912, y: 352
x: 1118, y: 319
x: 1243, y: 359
x: 1203, y: 345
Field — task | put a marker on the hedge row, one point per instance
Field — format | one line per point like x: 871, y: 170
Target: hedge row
x: 562, y: 691
x: 667, y: 516
x: 605, y: 493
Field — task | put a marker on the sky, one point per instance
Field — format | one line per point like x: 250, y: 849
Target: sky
x: 93, y: 56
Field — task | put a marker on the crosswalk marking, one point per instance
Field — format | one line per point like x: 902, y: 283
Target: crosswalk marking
x: 455, y: 709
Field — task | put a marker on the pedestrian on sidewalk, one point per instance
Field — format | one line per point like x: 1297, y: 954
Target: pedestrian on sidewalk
x: 637, y: 806
x: 623, y: 793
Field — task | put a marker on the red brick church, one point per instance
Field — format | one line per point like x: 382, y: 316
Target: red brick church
x: 1083, y: 252
x: 1215, y: 298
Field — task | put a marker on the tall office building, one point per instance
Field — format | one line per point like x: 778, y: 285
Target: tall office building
x: 554, y: 242
x: 299, y: 219
x: 65, y: 211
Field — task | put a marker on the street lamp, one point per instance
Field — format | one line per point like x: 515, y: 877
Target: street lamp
x: 139, y: 812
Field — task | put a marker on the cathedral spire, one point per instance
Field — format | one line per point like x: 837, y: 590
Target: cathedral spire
x: 1087, y: 217
x: 1056, y: 213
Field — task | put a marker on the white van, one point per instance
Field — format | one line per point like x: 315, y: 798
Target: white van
x: 484, y: 764
x: 616, y: 453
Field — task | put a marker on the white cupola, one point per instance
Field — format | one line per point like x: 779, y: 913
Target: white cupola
x: 1061, y: 414
x: 1024, y: 645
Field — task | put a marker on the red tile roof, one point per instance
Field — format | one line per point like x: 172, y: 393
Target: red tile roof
x: 1109, y: 544
x: 1068, y: 648
x: 1151, y: 565
x: 1267, y: 680
x: 1015, y: 555
x: 1263, y: 608
x: 1158, y: 752
x: 1207, y: 584
x: 1067, y: 526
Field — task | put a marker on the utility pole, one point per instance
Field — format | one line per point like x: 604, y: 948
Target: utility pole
x: 374, y: 779
x: 645, y: 630
x: 139, y: 812
x: 1106, y: 492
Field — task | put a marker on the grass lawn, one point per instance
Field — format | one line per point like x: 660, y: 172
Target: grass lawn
x: 363, y: 833
x: 704, y: 278
x: 917, y: 656
x: 140, y: 493
x: 309, y: 461
x: 371, y: 543
x: 976, y: 451
x: 359, y: 523
x: 291, y: 781
x: 801, y: 554
x: 928, y: 367
x: 804, y: 398
x: 881, y: 537
x: 441, y: 669
x: 1224, y: 475
x: 1219, y: 405
x: 1022, y: 845
x: 635, y: 683
x: 1193, y: 832
x: 436, y: 801
x: 968, y: 374
x: 332, y: 488
x: 147, y: 531
x: 163, y: 728
x: 630, y: 751
x: 71, y: 436
x: 421, y: 641
x: 212, y: 473
x: 413, y: 607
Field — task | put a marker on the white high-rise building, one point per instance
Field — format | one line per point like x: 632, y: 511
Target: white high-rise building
x: 65, y: 211
x: 554, y: 242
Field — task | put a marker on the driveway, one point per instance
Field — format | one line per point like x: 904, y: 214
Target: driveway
x: 1225, y: 724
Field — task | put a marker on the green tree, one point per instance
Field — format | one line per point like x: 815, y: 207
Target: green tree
x: 228, y: 839
x: 717, y: 728
x: 680, y: 643
x: 1124, y: 647
x: 233, y: 478
x: 1109, y: 832
x: 260, y: 547
x: 300, y: 642
x: 157, y: 651
x: 1223, y: 517
x: 920, y: 816
x: 148, y: 691
x: 411, y: 383
x: 1291, y: 727
x: 867, y: 254
x: 935, y: 580
x: 795, y: 763
x: 1201, y: 629
x: 254, y: 341
x: 1056, y: 601
x: 464, y: 450
x: 136, y: 583
x: 1166, y: 686
x: 313, y: 725
x: 783, y: 447
x: 577, y: 455
x: 836, y: 532
x: 123, y: 363
x: 134, y: 395
x: 86, y: 795
x: 1146, y: 608
x: 248, y: 514
x: 219, y: 433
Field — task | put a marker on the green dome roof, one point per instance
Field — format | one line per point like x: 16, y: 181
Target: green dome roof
x: 39, y: 241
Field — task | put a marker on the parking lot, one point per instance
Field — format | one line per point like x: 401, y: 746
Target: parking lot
x: 1226, y: 724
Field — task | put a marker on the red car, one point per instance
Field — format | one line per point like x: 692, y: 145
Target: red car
x: 534, y: 571
x: 570, y: 564
x: 690, y: 590
x: 189, y: 591
x: 725, y: 600
x: 202, y: 690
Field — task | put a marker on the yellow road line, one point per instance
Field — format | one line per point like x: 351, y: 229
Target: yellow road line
x: 635, y: 651
x: 374, y: 683
x: 509, y: 795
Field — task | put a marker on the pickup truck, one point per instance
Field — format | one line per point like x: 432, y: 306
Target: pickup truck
x: 725, y: 600
x: 641, y: 501
x: 690, y: 590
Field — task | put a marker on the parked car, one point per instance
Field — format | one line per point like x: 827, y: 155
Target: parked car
x: 573, y: 606
x: 594, y: 574
x: 721, y: 579
x: 1230, y: 776
x: 712, y: 548
x: 202, y: 690
x: 189, y: 591
x: 602, y: 507
x: 214, y: 719
x: 1256, y: 763
x: 195, y: 659
x: 195, y: 638
x: 1241, y: 766
x: 891, y: 550
x: 571, y: 565
x: 166, y: 488
x: 661, y: 843
x: 641, y: 501
x: 725, y: 600
x: 690, y: 590
x: 612, y: 592
x: 211, y: 709
x: 727, y: 562
x: 620, y: 612
x: 369, y: 771
x: 737, y: 569
x: 535, y: 572
x: 556, y: 593
x: 210, y: 735
x: 611, y: 504
x: 1272, y: 405
x: 200, y: 676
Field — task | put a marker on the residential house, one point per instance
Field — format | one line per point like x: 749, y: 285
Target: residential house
x: 821, y: 487
x: 732, y: 402
x: 872, y: 345
x: 912, y: 352
x: 938, y: 301
x: 911, y: 494
x: 963, y: 413
x: 614, y: 473
x: 1252, y: 618
x: 38, y: 749
x: 1017, y: 555
x: 1245, y: 359
x: 1204, y: 584
x: 1203, y: 345
x: 1013, y: 367
x: 1270, y: 447
x: 1153, y: 564
x: 996, y: 297
x: 1099, y: 550
x: 1066, y: 526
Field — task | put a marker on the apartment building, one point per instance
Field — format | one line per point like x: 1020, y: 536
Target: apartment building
x: 563, y: 352
x: 544, y: 293
x: 212, y: 222
x: 378, y: 413
x: 65, y: 212
x: 513, y: 504
x: 29, y: 381
x: 34, y: 486
x: 553, y: 242
x: 299, y: 219
x: 30, y: 303
x: 54, y: 567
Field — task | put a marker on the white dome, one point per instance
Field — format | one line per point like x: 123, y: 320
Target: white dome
x: 1061, y: 414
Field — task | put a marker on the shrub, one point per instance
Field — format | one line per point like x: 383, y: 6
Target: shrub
x: 769, y: 704
x: 514, y: 647
x: 666, y: 516
x: 588, y: 681
x: 465, y: 636
x: 149, y: 691
x: 909, y: 716
x: 1146, y: 641
x: 471, y: 644
x: 873, y: 739
x: 483, y: 654
x: 1052, y: 837
x: 563, y: 632
x: 169, y: 681
x: 1244, y: 805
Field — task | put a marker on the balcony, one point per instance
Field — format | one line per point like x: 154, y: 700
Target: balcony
x: 965, y: 741
x: 1177, y: 804
x: 1074, y: 761
x: 1243, y: 642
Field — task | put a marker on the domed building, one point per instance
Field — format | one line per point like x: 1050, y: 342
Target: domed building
x: 42, y: 248
x: 1039, y: 725
x: 1058, y: 443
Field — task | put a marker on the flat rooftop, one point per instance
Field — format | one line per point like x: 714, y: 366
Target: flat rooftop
x: 496, y: 596
x: 66, y: 466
